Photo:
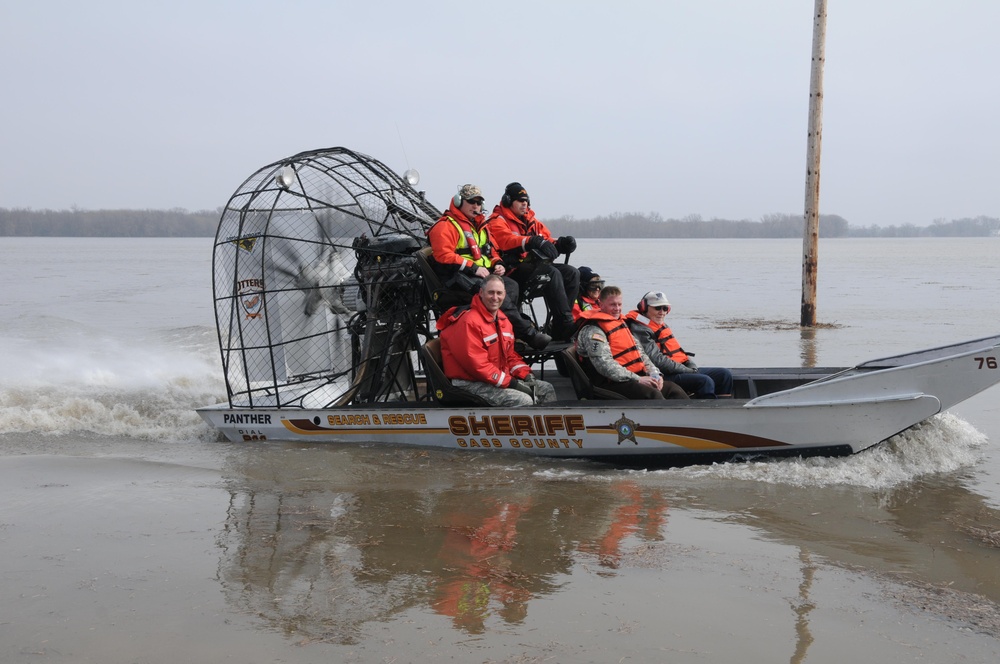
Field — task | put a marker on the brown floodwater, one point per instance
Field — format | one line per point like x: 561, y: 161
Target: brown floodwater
x: 140, y: 540
x: 216, y: 552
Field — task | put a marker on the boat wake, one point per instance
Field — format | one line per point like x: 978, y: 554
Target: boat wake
x: 941, y: 444
x: 109, y: 386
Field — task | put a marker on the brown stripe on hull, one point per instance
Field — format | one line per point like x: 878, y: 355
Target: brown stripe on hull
x: 727, y: 438
x: 304, y: 425
x: 689, y: 437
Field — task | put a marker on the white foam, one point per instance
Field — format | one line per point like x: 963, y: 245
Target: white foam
x: 570, y: 475
x: 87, y: 383
x: 943, y: 443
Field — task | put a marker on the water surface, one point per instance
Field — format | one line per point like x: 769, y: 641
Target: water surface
x: 125, y: 521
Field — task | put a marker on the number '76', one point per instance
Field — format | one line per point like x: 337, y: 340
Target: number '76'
x: 988, y: 362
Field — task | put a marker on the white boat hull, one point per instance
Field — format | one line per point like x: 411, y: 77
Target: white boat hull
x: 612, y: 429
x: 839, y: 413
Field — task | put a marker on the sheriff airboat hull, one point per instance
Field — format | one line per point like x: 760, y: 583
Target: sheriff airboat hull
x: 321, y: 307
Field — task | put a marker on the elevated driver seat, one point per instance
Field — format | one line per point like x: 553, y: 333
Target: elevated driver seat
x: 441, y: 297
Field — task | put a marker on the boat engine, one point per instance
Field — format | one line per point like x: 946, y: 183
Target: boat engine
x: 386, y: 336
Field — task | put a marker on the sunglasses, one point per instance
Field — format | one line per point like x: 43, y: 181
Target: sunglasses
x: 662, y: 307
x: 595, y: 285
x: 476, y: 201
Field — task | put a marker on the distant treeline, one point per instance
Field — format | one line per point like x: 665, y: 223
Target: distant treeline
x: 109, y: 223
x: 181, y: 223
x: 967, y: 227
x: 623, y: 225
x: 770, y: 226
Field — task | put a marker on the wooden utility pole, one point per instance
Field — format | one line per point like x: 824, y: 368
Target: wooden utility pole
x: 810, y: 236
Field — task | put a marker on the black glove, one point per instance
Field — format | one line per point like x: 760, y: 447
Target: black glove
x: 521, y: 386
x: 542, y: 248
x: 566, y: 244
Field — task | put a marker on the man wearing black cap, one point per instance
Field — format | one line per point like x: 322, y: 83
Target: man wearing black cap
x: 531, y: 249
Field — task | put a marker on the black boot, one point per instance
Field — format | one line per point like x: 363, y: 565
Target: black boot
x: 539, y: 340
x: 563, y: 329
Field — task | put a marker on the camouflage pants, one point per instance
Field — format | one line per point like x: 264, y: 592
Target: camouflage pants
x: 499, y: 396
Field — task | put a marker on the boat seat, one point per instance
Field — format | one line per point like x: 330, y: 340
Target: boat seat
x: 440, y: 385
x: 535, y: 357
x: 440, y: 296
x: 443, y: 298
x: 584, y: 387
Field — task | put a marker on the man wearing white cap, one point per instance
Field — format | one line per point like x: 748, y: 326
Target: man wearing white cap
x: 647, y: 322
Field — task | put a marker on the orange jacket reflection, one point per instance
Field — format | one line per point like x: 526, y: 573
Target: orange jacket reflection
x: 630, y: 517
x: 482, y: 572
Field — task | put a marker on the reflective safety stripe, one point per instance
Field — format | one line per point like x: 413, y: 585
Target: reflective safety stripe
x: 481, y: 238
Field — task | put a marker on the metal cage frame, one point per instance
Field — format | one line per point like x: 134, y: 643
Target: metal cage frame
x: 307, y: 248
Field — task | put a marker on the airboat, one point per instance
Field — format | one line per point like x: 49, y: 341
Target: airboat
x: 324, y: 304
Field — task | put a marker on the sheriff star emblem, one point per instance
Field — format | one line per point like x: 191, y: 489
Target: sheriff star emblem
x: 625, y: 428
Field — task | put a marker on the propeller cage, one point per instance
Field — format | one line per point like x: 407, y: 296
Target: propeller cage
x: 317, y: 298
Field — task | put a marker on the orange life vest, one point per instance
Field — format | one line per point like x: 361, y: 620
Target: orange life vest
x: 623, y: 346
x: 663, y: 336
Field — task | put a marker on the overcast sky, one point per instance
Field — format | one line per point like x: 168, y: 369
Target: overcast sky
x: 668, y: 106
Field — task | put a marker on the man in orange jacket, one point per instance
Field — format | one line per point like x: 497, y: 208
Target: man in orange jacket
x: 464, y: 255
x: 477, y: 351
x: 531, y: 248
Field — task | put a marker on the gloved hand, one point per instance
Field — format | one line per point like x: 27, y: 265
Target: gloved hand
x: 521, y: 386
x: 542, y: 248
x: 566, y: 244
x: 529, y: 379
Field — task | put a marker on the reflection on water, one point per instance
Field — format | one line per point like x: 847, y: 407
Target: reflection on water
x: 321, y: 541
x: 888, y: 532
x: 803, y: 608
x: 807, y: 347
x: 318, y: 562
x: 635, y: 512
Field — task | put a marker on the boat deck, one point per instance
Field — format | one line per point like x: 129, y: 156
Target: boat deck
x: 747, y: 383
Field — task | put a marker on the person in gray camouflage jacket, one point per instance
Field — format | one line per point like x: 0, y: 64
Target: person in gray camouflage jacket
x: 612, y: 357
